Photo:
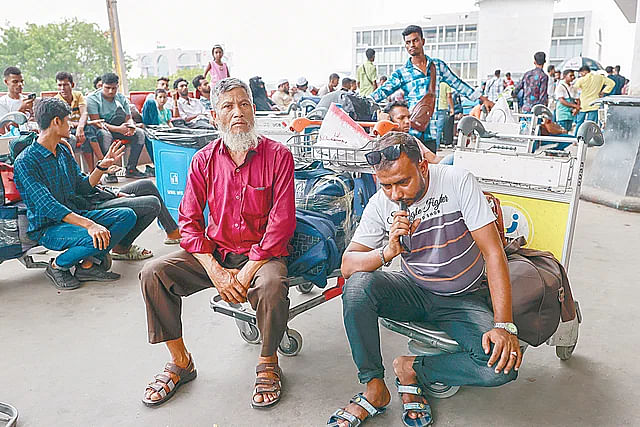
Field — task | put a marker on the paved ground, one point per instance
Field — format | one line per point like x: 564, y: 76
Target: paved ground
x: 81, y: 358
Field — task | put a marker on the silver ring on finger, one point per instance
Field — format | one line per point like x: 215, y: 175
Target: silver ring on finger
x: 513, y: 354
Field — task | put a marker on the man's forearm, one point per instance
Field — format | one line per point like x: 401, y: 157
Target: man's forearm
x: 94, y: 178
x: 207, y: 261
x: 499, y: 287
x: 356, y: 261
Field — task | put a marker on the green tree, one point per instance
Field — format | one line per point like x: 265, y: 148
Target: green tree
x: 149, y: 83
x: 40, y: 51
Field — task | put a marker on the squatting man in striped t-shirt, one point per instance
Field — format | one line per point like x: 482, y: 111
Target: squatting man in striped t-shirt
x: 455, y: 265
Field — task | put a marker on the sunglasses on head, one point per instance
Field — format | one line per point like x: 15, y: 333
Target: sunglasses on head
x: 390, y: 153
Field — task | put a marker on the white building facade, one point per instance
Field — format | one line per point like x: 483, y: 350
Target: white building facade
x: 477, y: 43
x: 164, y: 62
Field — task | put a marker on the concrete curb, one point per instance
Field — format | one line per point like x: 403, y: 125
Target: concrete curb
x: 602, y: 197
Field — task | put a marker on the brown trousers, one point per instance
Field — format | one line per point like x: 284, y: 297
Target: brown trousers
x: 167, y: 279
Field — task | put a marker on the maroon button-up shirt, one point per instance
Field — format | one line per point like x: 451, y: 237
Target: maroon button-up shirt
x: 252, y: 207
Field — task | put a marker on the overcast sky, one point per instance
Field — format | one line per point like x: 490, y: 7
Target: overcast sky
x: 285, y: 38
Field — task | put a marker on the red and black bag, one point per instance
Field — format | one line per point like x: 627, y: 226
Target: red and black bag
x: 8, y: 191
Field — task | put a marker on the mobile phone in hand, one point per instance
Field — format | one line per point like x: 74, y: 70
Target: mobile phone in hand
x: 405, y: 241
x: 31, y: 96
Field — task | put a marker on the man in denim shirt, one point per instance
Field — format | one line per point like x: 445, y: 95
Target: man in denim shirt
x: 53, y: 188
x: 414, y: 79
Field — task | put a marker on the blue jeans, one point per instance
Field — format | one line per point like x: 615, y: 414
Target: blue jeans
x: 441, y: 120
x: 583, y: 116
x: 465, y: 318
x: 566, y: 124
x: 75, y: 240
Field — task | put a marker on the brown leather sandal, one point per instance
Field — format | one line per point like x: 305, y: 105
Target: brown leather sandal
x: 267, y: 385
x: 164, y: 385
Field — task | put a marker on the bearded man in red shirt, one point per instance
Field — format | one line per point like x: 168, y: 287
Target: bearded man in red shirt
x: 247, y: 182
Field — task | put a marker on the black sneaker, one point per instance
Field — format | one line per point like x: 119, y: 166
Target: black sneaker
x: 150, y: 171
x: 111, y: 179
x: 61, y: 279
x: 134, y: 173
x: 95, y: 274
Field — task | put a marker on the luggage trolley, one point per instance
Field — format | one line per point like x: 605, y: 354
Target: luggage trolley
x: 530, y: 187
x: 304, y: 152
x: 519, y: 134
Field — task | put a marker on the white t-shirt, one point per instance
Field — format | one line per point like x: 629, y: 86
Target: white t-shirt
x: 563, y: 90
x: 192, y: 107
x: 444, y: 258
x: 7, y: 105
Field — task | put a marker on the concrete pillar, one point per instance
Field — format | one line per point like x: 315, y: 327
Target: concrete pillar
x: 635, y: 65
x: 506, y: 37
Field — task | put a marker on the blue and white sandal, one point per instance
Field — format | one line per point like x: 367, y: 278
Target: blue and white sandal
x: 420, y: 407
x: 342, y: 414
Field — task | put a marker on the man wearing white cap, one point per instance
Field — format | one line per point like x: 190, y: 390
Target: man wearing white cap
x: 302, y: 89
x: 281, y: 96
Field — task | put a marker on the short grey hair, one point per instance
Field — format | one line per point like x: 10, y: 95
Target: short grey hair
x: 224, y: 86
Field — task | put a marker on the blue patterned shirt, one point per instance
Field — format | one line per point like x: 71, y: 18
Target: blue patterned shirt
x: 47, y: 184
x: 535, y: 84
x: 415, y: 84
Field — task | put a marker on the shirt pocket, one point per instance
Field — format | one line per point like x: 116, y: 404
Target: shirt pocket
x: 256, y: 202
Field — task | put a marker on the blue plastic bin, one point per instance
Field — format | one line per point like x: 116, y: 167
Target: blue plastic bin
x: 172, y: 161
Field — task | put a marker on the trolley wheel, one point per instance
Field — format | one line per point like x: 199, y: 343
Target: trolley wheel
x: 305, y: 288
x: 249, y: 332
x: 294, y: 346
x: 107, y: 262
x: 565, y: 352
x: 441, y: 391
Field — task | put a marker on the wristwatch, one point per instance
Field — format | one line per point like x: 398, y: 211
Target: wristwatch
x: 509, y: 327
x: 385, y: 263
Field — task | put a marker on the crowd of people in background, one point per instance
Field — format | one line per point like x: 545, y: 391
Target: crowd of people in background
x: 104, y: 117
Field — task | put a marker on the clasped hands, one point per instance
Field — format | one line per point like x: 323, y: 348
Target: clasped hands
x: 232, y: 284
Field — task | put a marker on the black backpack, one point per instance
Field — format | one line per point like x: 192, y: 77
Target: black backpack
x: 359, y: 108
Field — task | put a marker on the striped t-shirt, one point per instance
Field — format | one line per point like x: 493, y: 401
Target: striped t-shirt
x: 444, y: 258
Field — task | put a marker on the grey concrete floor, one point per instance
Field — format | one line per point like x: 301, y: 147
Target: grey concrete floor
x: 81, y: 358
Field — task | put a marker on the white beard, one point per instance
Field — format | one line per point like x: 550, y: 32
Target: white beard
x: 239, y: 142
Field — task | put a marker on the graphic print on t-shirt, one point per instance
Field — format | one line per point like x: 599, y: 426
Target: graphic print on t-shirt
x: 444, y: 257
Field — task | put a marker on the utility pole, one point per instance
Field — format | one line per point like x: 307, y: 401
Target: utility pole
x: 116, y: 45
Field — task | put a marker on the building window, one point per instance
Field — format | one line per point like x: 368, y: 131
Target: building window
x: 450, y: 34
x: 391, y: 55
x: 566, y: 39
x: 396, y: 37
x: 377, y: 38
x: 559, y: 27
x: 366, y: 38
x: 430, y: 34
x: 470, y: 33
x: 163, y: 65
x: 146, y: 66
x: 580, y: 27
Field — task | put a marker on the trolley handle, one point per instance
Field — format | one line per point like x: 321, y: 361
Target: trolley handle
x: 379, y: 128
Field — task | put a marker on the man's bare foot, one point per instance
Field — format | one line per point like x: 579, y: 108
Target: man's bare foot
x: 181, y: 362
x: 269, y: 396
x: 403, y: 367
x: 376, y: 393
